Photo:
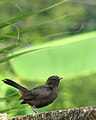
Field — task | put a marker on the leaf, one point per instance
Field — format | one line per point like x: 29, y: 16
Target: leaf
x: 67, y: 57
x: 21, y: 30
x: 14, y: 20
x: 52, y: 44
x: 16, y: 55
x: 6, y: 49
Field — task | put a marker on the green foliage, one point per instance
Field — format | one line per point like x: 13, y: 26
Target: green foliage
x: 28, y: 35
x: 67, y: 57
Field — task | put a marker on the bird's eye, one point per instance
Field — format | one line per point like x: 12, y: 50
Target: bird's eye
x: 55, y: 78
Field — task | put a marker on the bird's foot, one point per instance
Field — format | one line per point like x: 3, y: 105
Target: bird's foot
x: 36, y: 112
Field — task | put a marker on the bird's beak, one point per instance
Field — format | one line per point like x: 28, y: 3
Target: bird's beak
x: 60, y: 78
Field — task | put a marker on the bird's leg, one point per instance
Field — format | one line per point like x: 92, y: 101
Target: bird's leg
x: 33, y: 108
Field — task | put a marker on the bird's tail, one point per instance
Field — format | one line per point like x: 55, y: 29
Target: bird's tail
x: 14, y: 84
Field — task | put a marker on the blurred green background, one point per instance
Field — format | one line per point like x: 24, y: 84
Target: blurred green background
x: 43, y: 38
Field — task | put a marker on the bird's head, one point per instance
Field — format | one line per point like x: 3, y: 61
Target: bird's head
x: 53, y: 80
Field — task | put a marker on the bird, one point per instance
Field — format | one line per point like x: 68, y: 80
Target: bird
x: 39, y: 96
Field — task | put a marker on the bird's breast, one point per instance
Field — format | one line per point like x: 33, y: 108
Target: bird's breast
x: 48, y: 99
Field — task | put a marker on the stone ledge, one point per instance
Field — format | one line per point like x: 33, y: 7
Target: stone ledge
x: 83, y: 113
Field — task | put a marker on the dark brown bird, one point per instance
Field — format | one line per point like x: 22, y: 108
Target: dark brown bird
x: 39, y: 96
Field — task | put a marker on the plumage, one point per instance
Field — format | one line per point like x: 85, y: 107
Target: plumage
x: 39, y: 96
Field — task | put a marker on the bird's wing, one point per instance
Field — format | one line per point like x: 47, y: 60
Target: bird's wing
x: 38, y: 92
